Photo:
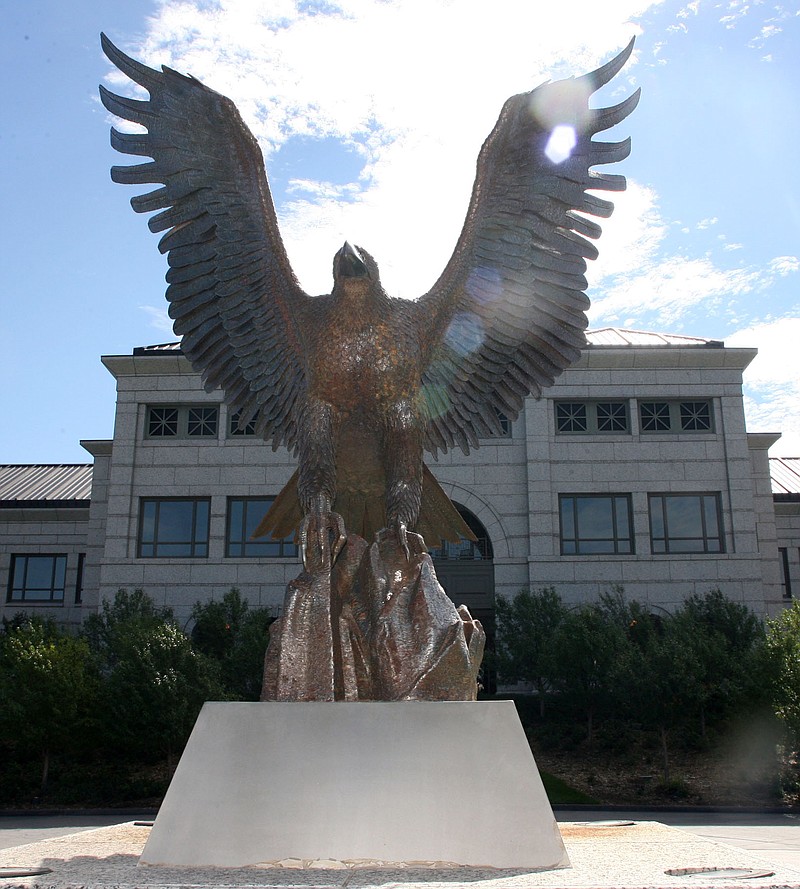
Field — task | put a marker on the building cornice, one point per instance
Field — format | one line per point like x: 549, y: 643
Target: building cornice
x: 633, y: 356
x: 762, y: 441
x: 663, y: 356
x: 97, y: 447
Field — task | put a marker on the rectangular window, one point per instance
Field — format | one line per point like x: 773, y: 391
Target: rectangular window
x: 37, y: 578
x: 173, y: 527
x: 591, y: 417
x: 686, y: 523
x: 244, y: 516
x: 596, y: 524
x: 248, y: 428
x: 676, y: 416
x: 79, y: 579
x: 181, y: 421
x: 786, y: 581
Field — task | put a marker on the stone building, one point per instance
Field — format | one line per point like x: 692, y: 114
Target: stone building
x: 635, y: 469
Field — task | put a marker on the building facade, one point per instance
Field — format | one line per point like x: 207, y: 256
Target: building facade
x: 635, y: 470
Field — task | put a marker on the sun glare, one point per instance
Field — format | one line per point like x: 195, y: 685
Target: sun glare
x: 560, y: 144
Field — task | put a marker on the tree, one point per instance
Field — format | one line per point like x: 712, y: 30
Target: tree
x: 236, y: 636
x: 783, y: 645
x: 154, y: 681
x: 725, y: 638
x: 47, y: 687
x: 585, y: 648
x: 655, y: 678
x: 526, y: 625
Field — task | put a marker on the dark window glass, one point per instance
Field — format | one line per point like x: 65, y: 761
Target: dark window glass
x: 244, y: 516
x: 176, y: 527
x: 685, y: 523
x: 655, y: 416
x: 591, y: 417
x: 595, y: 524
x: 505, y: 425
x: 612, y: 416
x: 201, y: 422
x: 249, y: 428
x: 465, y: 550
x: 676, y: 416
x: 79, y: 579
x: 162, y: 422
x: 786, y: 581
x: 571, y: 417
x: 37, y: 578
x: 695, y: 416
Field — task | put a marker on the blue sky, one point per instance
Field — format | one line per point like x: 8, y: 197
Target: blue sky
x: 371, y: 115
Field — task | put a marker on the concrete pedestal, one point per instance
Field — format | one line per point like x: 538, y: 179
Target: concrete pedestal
x: 393, y: 782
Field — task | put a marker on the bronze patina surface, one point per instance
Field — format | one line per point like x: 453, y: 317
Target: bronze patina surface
x: 359, y: 384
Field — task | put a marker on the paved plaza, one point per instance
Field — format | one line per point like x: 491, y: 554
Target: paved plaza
x: 607, y: 848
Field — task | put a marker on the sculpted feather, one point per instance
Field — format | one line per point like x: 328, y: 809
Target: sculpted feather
x: 358, y: 384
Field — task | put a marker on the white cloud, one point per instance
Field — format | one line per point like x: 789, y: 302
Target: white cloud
x: 407, y: 89
x: 784, y: 265
x: 158, y: 318
x: 772, y: 382
x: 669, y: 287
x: 707, y: 223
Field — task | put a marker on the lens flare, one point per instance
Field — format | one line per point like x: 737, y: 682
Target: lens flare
x: 560, y: 144
x: 465, y: 333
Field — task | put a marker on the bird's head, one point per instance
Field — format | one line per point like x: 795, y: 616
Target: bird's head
x: 355, y: 271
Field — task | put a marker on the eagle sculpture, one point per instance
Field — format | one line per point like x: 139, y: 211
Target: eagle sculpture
x: 359, y: 384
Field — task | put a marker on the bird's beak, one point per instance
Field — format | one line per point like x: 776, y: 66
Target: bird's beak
x: 351, y: 263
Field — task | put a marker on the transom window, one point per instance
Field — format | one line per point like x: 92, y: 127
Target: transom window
x: 686, y: 523
x: 580, y: 417
x: 173, y: 527
x: 595, y: 524
x: 37, y: 578
x: 465, y: 550
x: 182, y: 421
x: 234, y: 429
x: 244, y: 516
x: 676, y: 416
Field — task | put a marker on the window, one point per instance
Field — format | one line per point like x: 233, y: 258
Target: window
x: 37, y: 578
x: 465, y: 550
x: 244, y: 516
x: 685, y: 523
x: 181, y: 421
x: 79, y: 578
x: 592, y: 417
x: 249, y: 428
x: 786, y: 582
x: 173, y: 527
x: 676, y: 416
x: 595, y: 524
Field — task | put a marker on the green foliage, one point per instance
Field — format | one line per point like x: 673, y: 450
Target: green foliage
x: 669, y: 674
x: 525, y: 628
x: 110, y: 631
x: 656, y: 678
x: 783, y: 645
x: 236, y: 637
x: 726, y: 641
x: 47, y: 689
x: 155, y: 682
x: 559, y: 793
x: 585, y: 648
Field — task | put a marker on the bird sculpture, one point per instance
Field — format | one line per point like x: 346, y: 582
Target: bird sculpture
x: 359, y: 384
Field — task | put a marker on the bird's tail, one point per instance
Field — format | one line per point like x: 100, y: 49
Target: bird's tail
x: 438, y: 518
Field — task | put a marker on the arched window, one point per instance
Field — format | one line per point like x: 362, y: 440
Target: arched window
x: 465, y: 550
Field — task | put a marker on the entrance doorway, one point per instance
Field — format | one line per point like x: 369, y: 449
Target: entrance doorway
x: 466, y: 571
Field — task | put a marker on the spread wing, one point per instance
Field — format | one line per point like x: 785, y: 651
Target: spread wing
x: 233, y: 296
x: 507, y: 315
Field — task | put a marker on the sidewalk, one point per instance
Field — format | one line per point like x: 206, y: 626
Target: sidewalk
x: 610, y: 854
